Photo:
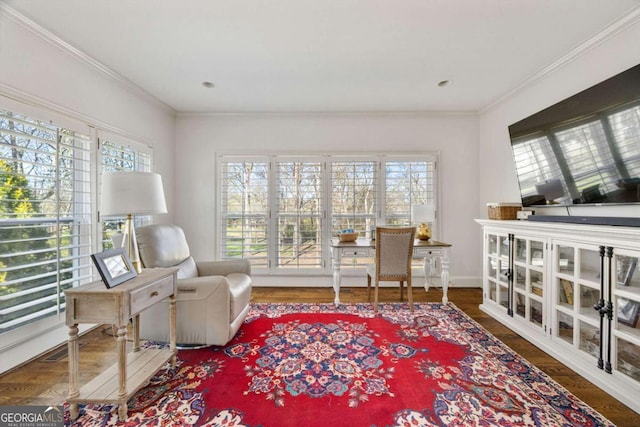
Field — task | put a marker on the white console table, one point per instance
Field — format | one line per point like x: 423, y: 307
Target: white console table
x: 427, y: 250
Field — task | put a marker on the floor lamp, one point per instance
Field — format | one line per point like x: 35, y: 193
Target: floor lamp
x: 131, y: 193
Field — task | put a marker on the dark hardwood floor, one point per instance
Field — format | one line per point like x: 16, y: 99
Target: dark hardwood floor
x: 44, y: 380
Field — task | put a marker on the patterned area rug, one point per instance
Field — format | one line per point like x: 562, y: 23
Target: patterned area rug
x: 318, y: 365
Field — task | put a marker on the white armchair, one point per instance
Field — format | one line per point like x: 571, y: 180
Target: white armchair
x: 213, y: 297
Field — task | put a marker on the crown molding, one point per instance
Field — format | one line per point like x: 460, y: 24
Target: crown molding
x: 57, y: 42
x: 23, y: 97
x: 328, y: 114
x: 631, y: 18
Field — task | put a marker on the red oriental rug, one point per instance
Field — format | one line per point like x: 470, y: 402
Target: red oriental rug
x: 321, y: 365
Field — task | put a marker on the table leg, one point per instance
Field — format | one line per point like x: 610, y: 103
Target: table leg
x: 73, y: 348
x: 335, y: 263
x: 122, y: 371
x: 172, y: 329
x: 136, y: 332
x: 445, y: 275
x: 426, y: 268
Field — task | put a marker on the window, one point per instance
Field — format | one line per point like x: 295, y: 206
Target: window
x: 245, y: 210
x: 407, y: 183
x: 354, y: 201
x: 280, y: 211
x: 299, y: 191
x: 48, y: 228
x: 45, y: 217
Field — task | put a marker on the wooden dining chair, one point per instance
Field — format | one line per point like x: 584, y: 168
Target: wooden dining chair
x: 394, y: 253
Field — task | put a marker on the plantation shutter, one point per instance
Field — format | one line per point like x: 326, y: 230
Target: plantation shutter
x: 46, y: 215
x: 244, y: 209
x: 299, y: 214
x: 280, y: 211
x: 353, y: 195
x: 407, y: 183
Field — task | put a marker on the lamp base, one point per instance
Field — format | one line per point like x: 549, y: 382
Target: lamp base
x: 130, y: 244
x: 423, y: 232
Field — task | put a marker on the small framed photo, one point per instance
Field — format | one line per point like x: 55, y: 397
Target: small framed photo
x: 628, y: 312
x: 626, y: 268
x: 114, y: 267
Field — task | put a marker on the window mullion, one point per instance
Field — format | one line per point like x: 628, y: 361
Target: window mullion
x: 272, y: 234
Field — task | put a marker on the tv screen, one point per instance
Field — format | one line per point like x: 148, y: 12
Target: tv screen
x: 584, y: 149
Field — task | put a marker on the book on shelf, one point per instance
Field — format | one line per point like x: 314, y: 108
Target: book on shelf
x: 536, y: 288
x: 566, y: 290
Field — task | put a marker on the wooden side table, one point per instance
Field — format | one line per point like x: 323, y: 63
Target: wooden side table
x: 94, y: 303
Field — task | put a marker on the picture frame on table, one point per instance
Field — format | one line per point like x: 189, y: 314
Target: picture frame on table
x: 628, y: 312
x: 114, y: 266
x: 626, y: 268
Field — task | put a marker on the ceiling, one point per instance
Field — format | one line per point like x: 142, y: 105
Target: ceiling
x: 326, y: 55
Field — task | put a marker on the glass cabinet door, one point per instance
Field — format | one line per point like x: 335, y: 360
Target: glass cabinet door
x: 576, y: 289
x: 529, y: 270
x: 497, y: 266
x: 626, y: 326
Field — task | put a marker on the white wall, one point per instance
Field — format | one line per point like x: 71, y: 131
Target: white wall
x: 38, y: 72
x: 499, y: 181
x: 200, y: 137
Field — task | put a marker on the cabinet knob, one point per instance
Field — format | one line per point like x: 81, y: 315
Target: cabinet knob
x: 154, y: 293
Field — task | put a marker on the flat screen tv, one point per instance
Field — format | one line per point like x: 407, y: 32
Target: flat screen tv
x: 584, y: 149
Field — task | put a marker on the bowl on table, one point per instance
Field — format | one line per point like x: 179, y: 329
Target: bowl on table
x: 348, y: 237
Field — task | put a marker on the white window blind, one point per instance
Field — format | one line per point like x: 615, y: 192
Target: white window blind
x: 45, y: 217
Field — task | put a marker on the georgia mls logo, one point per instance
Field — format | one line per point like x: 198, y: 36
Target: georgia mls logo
x: 31, y: 416
x: 55, y: 409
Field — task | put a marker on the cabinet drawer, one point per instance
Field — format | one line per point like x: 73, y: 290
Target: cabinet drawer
x: 421, y: 252
x: 362, y: 252
x: 150, y: 294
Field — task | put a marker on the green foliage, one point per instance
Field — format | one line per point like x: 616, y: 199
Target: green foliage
x: 15, y: 195
x: 29, y: 250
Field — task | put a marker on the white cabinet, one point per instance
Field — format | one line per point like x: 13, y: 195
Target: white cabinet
x: 572, y: 290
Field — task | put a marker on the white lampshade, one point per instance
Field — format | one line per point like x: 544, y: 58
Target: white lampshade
x: 135, y: 193
x: 422, y: 213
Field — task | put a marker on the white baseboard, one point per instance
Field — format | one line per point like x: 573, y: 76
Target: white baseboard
x: 324, y: 281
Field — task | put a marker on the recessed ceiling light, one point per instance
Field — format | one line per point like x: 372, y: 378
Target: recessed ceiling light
x: 444, y: 83
x: 208, y: 84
